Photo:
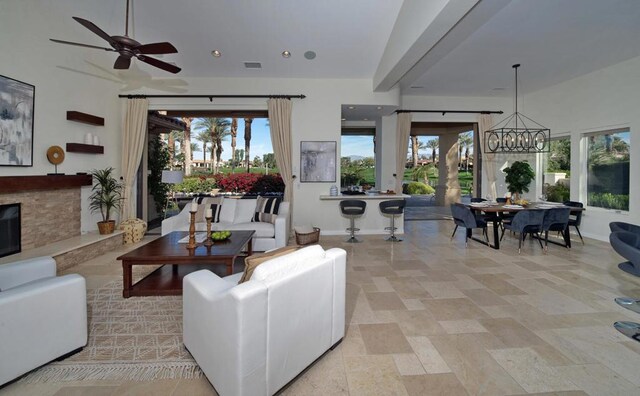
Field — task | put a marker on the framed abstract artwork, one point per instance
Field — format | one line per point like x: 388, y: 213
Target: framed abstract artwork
x: 318, y: 162
x: 16, y: 122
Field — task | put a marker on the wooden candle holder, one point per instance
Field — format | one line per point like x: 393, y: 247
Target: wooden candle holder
x: 208, y: 241
x: 192, y: 231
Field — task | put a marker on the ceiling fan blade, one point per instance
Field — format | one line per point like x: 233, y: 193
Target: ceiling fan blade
x: 157, y: 48
x: 91, y: 26
x: 81, y: 45
x: 122, y: 63
x: 159, y: 64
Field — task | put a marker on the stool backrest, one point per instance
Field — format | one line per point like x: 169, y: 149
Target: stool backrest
x: 352, y: 204
x: 394, y: 204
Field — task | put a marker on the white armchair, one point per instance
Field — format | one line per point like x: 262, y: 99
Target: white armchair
x: 254, y: 338
x: 42, y: 317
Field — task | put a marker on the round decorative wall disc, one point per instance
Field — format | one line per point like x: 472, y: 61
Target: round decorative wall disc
x: 55, y: 155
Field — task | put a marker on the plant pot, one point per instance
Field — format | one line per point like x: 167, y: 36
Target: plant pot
x: 106, y: 227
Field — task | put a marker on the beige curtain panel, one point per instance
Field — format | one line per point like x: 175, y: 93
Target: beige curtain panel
x: 403, y: 130
x: 485, y: 121
x: 133, y: 137
x: 280, y: 126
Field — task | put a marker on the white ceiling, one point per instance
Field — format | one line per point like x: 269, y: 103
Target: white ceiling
x: 348, y: 37
x: 554, y: 40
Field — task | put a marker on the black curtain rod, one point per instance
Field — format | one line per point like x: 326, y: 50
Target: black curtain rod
x: 451, y: 111
x: 210, y: 97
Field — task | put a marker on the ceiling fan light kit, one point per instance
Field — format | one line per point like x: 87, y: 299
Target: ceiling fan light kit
x: 127, y: 47
x: 513, y: 135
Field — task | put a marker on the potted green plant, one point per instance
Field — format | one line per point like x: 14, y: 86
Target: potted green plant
x: 519, y: 177
x: 106, y: 195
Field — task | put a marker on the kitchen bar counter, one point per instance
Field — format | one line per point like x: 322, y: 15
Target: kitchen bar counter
x: 372, y: 222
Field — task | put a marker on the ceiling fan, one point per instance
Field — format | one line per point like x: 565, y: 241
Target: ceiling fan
x: 128, y: 47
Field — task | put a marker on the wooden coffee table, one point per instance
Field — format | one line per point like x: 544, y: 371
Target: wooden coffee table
x: 178, y: 261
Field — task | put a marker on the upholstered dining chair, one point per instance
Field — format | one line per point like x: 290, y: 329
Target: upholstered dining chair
x: 616, y: 226
x: 464, y: 217
x: 576, y: 218
x: 556, y: 219
x: 525, y: 222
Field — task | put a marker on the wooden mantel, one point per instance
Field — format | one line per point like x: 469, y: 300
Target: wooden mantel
x: 13, y: 184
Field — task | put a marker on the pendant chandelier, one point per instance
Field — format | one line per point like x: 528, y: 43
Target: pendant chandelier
x: 517, y: 133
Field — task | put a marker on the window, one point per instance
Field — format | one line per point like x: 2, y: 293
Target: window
x: 608, y: 169
x: 357, y: 158
x: 557, y: 168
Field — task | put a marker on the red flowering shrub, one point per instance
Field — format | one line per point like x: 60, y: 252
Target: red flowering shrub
x: 253, y: 183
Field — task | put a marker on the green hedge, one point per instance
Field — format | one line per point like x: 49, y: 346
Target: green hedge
x: 557, y: 193
x: 419, y: 188
x: 608, y: 201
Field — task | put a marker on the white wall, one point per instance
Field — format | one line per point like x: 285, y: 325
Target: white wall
x: 318, y: 117
x: 61, y: 83
x: 605, y: 99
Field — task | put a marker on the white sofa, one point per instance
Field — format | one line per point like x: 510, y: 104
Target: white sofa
x: 42, y: 317
x: 255, y: 337
x: 236, y: 214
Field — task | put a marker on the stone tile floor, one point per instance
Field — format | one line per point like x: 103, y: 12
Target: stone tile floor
x: 429, y: 316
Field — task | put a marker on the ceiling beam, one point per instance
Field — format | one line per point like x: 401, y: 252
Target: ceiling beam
x: 424, y: 33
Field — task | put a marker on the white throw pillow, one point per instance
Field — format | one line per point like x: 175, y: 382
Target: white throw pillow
x: 245, y: 208
x: 228, y: 211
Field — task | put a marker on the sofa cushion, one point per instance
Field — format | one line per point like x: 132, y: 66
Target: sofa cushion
x: 276, y: 268
x: 228, y: 211
x: 266, y: 209
x: 245, y: 208
x: 215, y: 212
x: 263, y: 230
x: 253, y: 261
x: 205, y: 203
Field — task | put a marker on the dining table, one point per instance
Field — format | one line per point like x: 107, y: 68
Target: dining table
x: 498, y: 209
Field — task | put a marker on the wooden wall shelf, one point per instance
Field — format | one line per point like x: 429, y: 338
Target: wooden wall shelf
x: 85, y: 118
x: 84, y: 148
x: 14, y: 184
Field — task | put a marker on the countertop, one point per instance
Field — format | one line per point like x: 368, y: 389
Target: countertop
x: 365, y: 197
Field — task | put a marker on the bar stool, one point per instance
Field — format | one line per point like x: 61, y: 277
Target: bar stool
x: 352, y: 208
x: 394, y: 208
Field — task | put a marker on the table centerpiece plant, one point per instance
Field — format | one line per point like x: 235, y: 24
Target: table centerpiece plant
x: 106, y: 195
x: 518, y: 178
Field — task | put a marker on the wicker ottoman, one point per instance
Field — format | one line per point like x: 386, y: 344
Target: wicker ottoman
x: 134, y: 230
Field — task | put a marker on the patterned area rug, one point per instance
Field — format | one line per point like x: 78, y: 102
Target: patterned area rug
x: 136, y: 339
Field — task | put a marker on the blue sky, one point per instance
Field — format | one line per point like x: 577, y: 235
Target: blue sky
x: 363, y: 146
x: 260, y: 140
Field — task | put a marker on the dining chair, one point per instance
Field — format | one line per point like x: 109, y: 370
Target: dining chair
x: 464, y: 217
x: 576, y: 218
x: 525, y: 222
x: 556, y: 219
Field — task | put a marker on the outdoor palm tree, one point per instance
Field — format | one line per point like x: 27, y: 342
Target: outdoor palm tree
x: 416, y: 146
x: 433, y: 145
x: 247, y: 142
x: 205, y: 138
x: 186, y: 146
x: 218, y: 129
x: 234, y: 135
x: 465, y: 140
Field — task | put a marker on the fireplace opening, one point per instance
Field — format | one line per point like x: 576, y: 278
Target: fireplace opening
x: 10, y: 229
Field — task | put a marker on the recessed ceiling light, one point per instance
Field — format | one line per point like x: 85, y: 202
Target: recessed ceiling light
x: 216, y: 53
x: 351, y: 107
x: 344, y: 119
x: 365, y: 119
x: 379, y: 107
x: 310, y: 55
x: 286, y: 54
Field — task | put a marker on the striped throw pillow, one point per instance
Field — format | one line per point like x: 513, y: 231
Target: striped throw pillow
x: 266, y: 209
x: 216, y: 208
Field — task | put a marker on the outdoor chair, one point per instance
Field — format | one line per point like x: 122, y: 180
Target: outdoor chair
x: 616, y: 226
x: 464, y: 217
x: 627, y: 244
x: 576, y: 218
x: 525, y: 222
x: 556, y: 219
